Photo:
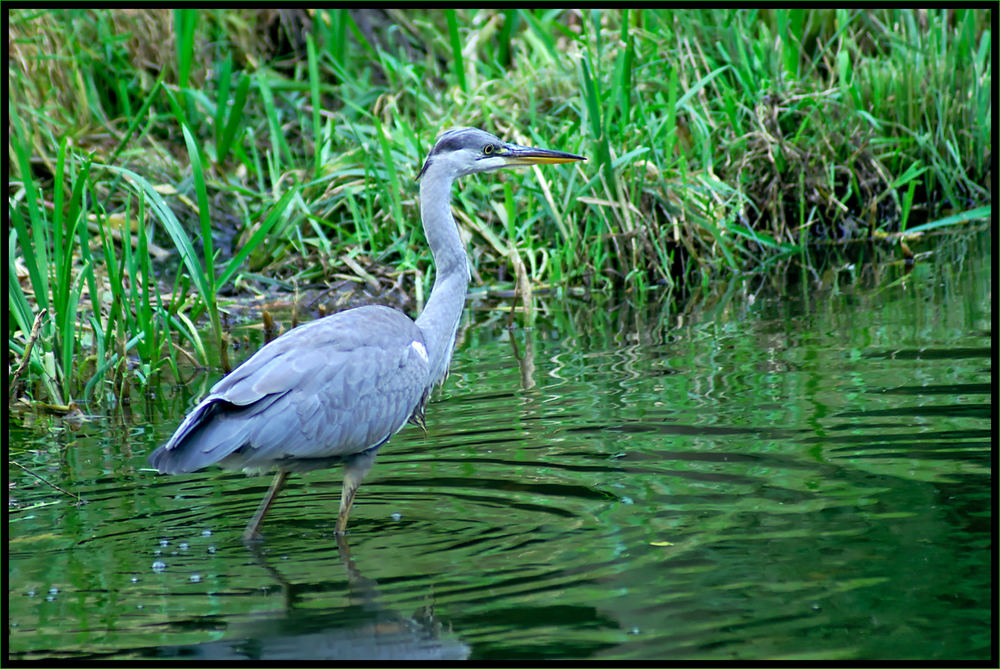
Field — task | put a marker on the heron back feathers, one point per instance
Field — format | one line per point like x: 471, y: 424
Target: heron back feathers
x: 336, y: 386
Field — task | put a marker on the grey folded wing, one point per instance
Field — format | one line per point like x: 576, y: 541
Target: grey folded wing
x: 335, y: 386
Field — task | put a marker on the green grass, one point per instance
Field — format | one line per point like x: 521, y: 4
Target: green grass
x: 270, y: 150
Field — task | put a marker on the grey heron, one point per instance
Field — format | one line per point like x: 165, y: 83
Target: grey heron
x: 334, y: 390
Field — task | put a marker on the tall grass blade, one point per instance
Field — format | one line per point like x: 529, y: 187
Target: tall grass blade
x: 314, y: 102
x: 979, y: 213
x: 33, y: 242
x: 457, y: 57
x: 234, y: 119
x: 279, y: 145
x: 257, y: 238
x: 185, y: 21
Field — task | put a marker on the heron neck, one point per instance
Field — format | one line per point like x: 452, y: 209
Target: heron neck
x: 441, y: 315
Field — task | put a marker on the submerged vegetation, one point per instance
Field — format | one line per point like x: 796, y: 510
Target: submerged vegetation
x: 163, y: 163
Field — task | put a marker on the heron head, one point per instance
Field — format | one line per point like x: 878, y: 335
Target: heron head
x: 466, y: 151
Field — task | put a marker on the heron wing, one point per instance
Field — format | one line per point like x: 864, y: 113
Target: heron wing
x: 335, y: 386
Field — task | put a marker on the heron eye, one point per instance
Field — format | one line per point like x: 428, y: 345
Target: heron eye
x: 488, y: 149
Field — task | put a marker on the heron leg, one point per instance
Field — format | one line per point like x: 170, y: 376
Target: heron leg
x: 355, y: 469
x: 251, y: 533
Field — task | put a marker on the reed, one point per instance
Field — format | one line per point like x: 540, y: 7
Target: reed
x: 279, y: 149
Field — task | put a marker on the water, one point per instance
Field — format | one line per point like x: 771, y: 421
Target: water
x: 803, y: 476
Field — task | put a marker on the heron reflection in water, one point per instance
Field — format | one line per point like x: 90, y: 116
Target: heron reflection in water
x: 336, y: 389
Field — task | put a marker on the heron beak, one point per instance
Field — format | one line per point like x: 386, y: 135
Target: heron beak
x: 526, y: 155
